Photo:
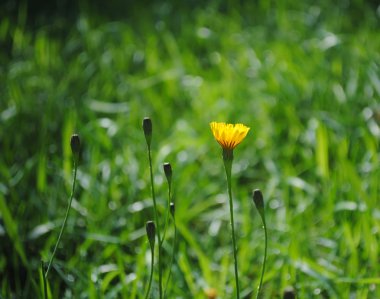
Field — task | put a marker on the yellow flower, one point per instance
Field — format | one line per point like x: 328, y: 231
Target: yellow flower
x: 211, y: 293
x: 229, y: 135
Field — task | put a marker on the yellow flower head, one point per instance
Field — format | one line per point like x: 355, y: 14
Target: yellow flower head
x: 211, y: 293
x: 229, y: 135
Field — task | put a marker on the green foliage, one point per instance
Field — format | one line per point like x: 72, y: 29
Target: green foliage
x: 303, y: 75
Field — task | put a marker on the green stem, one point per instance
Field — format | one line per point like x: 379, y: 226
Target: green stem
x: 228, y: 166
x: 172, y: 257
x: 64, y: 221
x: 45, y: 295
x: 265, y: 256
x: 157, y: 224
x: 167, y: 215
x: 151, y: 273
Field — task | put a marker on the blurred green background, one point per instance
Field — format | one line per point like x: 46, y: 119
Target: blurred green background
x: 304, y: 75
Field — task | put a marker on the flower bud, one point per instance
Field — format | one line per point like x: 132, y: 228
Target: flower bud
x: 168, y: 172
x: 151, y: 233
x: 75, y: 146
x: 147, y: 127
x: 259, y: 202
x: 289, y: 293
x: 258, y: 199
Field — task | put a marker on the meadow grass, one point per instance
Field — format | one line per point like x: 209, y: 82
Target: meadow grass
x: 304, y: 77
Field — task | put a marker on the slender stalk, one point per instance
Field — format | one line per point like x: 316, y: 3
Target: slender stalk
x: 45, y: 295
x: 65, y: 220
x: 157, y: 224
x: 265, y: 257
x: 258, y: 200
x: 170, y: 208
x: 166, y: 215
x: 172, y: 257
x: 228, y: 167
x: 151, y: 273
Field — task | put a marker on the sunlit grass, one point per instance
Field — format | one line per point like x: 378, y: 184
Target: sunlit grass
x: 304, y: 77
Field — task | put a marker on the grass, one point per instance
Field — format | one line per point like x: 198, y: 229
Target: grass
x: 304, y: 77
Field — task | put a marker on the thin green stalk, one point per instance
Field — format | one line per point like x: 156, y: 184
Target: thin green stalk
x: 157, y: 224
x: 258, y: 200
x: 166, y: 215
x: 172, y: 257
x: 45, y: 295
x: 64, y: 221
x: 228, y: 167
x: 151, y: 273
x: 265, y: 256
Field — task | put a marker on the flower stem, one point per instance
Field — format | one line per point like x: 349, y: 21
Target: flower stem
x: 265, y: 255
x: 172, y: 257
x: 157, y: 224
x: 171, y: 210
x: 151, y: 272
x: 45, y: 294
x: 64, y: 221
x: 167, y: 215
x: 227, y: 158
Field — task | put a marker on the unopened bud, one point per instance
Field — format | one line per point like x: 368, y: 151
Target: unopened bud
x: 168, y: 172
x: 289, y: 293
x: 172, y: 209
x: 151, y: 233
x: 147, y: 127
x: 258, y: 200
x: 259, y: 203
x: 75, y: 146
